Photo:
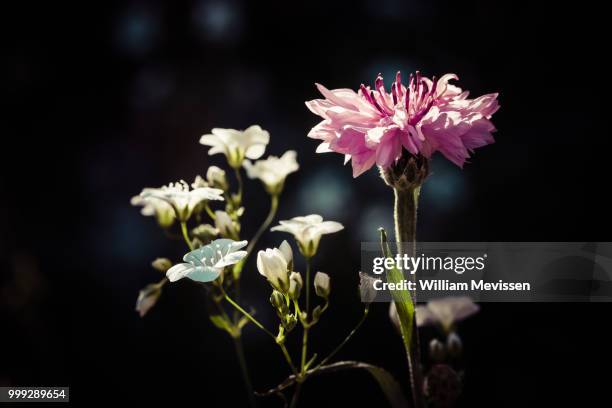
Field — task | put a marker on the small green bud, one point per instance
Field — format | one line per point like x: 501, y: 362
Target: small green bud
x: 161, y: 264
x: 295, y: 285
x: 289, y: 322
x: 437, y: 351
x: 278, y: 301
x: 322, y: 285
x: 454, y: 345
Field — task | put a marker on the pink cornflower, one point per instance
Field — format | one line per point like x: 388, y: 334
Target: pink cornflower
x: 373, y: 126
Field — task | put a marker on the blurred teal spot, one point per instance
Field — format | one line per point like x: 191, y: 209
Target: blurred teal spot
x: 445, y: 188
x: 326, y: 193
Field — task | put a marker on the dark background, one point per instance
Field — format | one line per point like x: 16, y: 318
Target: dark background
x: 103, y: 99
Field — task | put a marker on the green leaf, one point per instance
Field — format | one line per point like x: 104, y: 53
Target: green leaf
x: 402, y: 298
x: 385, y: 380
x: 388, y: 384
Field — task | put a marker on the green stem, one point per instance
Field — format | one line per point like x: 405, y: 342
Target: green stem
x: 247, y: 314
x: 186, y: 235
x: 305, y: 324
x: 209, y: 211
x: 346, y: 340
x: 262, y: 228
x: 240, y: 183
x: 288, y: 358
x: 244, y: 369
x: 304, y: 348
x: 307, y: 286
x: 405, y: 216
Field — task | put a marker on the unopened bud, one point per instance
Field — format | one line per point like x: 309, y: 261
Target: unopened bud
x: 278, y: 301
x: 205, y: 232
x: 366, y: 288
x: 437, y: 351
x: 295, y: 285
x: 287, y: 252
x: 147, y: 298
x: 161, y: 264
x: 289, y: 322
x: 322, y: 285
x: 216, y: 178
x: 454, y: 345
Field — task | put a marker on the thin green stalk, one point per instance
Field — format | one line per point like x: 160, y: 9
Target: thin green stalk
x: 186, y: 235
x: 247, y: 314
x: 346, y: 340
x: 305, y: 324
x: 240, y: 183
x: 262, y: 228
x: 307, y: 285
x: 245, y: 371
x: 209, y: 211
x: 288, y: 358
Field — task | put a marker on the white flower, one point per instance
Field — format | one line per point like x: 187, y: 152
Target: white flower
x: 273, y: 265
x: 273, y: 171
x: 161, y: 210
x: 206, y: 263
x: 236, y: 145
x: 180, y: 197
x: 216, y: 177
x: 225, y: 225
x: 321, y: 284
x: 308, y: 231
x: 445, y: 311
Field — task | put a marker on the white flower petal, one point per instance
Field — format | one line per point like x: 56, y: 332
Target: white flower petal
x: 178, y: 271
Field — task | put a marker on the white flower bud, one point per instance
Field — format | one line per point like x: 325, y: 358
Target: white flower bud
x: 322, y: 286
x: 295, y: 285
x: 161, y: 264
x: 271, y: 263
x: 437, y: 351
x: 225, y: 225
x: 216, y: 178
x: 205, y: 232
x: 366, y: 288
x: 454, y: 345
x: 285, y: 248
